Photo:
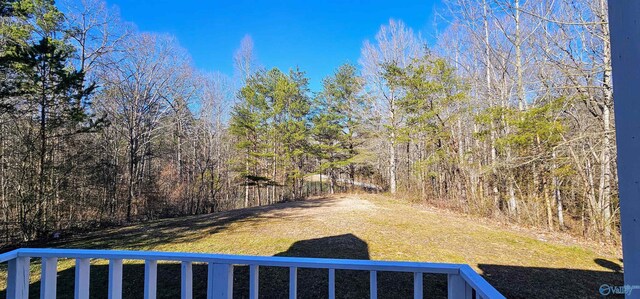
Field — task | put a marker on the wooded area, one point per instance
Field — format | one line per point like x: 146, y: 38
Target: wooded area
x: 508, y: 114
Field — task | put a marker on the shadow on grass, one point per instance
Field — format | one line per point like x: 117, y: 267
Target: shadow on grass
x: 187, y: 229
x: 538, y: 282
x: 314, y: 283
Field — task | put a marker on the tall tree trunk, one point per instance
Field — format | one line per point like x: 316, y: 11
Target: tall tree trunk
x: 547, y: 203
x: 605, y: 174
x: 512, y: 205
x: 274, y: 173
x: 132, y: 173
x: 607, y: 105
x: 393, y: 164
x: 408, y: 167
x: 332, y: 181
x: 42, y: 175
x: 4, y: 204
x: 246, y: 180
x: 488, y: 96
x: 556, y: 192
x: 522, y: 104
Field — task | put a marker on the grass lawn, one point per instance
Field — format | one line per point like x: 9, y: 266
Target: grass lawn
x: 520, y: 263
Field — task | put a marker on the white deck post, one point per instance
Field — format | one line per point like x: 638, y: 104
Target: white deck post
x: 417, y: 285
x: 293, y: 283
x: 220, y: 281
x: 81, y: 287
x: 373, y: 284
x: 254, y: 281
x: 455, y: 286
x: 115, y: 279
x: 150, y: 279
x: 48, y: 278
x: 186, y: 280
x: 18, y: 280
x: 332, y: 283
x: 624, y: 25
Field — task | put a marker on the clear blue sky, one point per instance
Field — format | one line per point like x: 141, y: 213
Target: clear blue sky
x: 318, y: 36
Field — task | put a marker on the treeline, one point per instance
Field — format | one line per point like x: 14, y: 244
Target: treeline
x: 508, y: 114
x: 517, y: 124
x: 100, y: 123
x: 539, y: 140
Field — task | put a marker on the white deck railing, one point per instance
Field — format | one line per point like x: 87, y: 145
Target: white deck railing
x: 463, y: 281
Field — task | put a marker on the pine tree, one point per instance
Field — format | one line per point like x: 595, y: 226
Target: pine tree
x: 247, y: 125
x: 293, y: 94
x: 271, y: 125
x: 432, y: 98
x: 41, y: 84
x: 337, y: 124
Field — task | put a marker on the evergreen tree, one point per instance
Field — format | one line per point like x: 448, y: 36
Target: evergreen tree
x: 338, y: 124
x: 293, y: 93
x: 433, y: 97
x: 271, y: 125
x: 41, y: 84
x: 247, y: 125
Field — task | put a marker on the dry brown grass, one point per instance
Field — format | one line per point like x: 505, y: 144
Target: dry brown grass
x: 520, y: 262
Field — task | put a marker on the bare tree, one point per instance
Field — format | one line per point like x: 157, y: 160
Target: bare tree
x: 95, y: 28
x: 395, y: 44
x: 244, y: 59
x: 136, y: 96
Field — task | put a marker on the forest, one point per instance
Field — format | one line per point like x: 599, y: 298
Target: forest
x: 505, y: 112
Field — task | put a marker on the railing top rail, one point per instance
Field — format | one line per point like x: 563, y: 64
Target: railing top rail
x: 481, y: 286
x: 300, y: 262
x: 8, y: 256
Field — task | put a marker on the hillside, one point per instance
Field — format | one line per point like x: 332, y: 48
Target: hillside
x: 519, y: 262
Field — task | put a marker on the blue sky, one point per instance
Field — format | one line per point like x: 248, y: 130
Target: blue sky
x: 317, y: 36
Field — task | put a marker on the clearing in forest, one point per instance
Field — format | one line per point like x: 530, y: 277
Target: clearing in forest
x: 518, y: 262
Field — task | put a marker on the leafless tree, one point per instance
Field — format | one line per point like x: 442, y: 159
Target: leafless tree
x: 396, y: 44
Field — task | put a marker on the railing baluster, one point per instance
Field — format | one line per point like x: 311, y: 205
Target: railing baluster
x: 293, y: 282
x: 417, y: 285
x: 220, y: 281
x: 81, y: 287
x: 48, y: 278
x: 186, y: 280
x: 150, y: 279
x: 373, y: 284
x: 455, y: 286
x: 332, y: 283
x: 254, y: 273
x: 18, y: 280
x: 468, y: 291
x: 210, y: 281
x: 115, y: 279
